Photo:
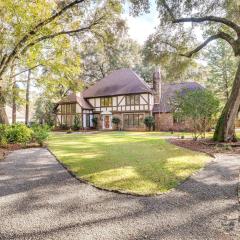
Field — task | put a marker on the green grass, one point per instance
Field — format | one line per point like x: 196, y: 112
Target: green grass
x: 141, y: 163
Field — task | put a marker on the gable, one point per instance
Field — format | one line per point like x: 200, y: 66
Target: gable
x: 119, y: 82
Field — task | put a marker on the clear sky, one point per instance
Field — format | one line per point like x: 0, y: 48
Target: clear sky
x: 142, y: 26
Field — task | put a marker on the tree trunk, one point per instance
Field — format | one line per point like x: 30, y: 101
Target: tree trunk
x: 27, y: 98
x: 225, y: 129
x: 14, y: 104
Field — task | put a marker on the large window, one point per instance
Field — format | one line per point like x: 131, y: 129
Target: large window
x: 69, y: 108
x: 133, y: 120
x: 132, y: 100
x: 106, y: 102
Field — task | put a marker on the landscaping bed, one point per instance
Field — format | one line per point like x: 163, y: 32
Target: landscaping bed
x: 207, y: 146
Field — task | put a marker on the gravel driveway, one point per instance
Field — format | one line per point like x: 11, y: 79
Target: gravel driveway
x: 40, y: 200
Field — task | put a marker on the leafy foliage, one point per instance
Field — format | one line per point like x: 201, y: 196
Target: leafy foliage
x: 19, y: 133
x: 116, y: 121
x: 149, y: 122
x: 221, y: 69
x: 198, y: 107
x: 95, y: 121
x: 40, y: 133
x: 76, y: 122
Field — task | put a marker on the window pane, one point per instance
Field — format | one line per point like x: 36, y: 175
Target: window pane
x: 130, y: 119
x: 127, y: 100
x: 102, y: 102
x: 132, y: 100
x: 73, y: 110
x: 125, y: 120
x: 141, y: 118
x: 137, y: 99
x: 135, y: 120
x: 110, y: 101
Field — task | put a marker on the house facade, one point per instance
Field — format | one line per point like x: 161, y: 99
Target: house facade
x: 123, y: 94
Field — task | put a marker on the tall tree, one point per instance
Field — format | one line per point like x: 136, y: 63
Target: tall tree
x: 221, y: 68
x: 43, y: 21
x: 27, y: 98
x: 180, y: 36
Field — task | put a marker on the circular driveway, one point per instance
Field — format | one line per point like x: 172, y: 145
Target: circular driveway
x: 39, y: 199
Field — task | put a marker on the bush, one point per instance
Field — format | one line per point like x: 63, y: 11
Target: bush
x: 116, y: 121
x: 19, y: 133
x: 3, y: 135
x: 200, y: 106
x: 40, y: 133
x: 76, y: 122
x: 149, y: 122
x: 95, y: 122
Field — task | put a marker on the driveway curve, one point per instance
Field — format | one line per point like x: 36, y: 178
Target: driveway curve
x: 39, y: 199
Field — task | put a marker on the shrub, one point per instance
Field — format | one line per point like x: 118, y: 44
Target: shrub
x: 199, y: 106
x: 3, y: 134
x: 18, y: 133
x: 95, y: 122
x: 76, y: 122
x: 40, y: 133
x: 116, y: 121
x: 149, y: 122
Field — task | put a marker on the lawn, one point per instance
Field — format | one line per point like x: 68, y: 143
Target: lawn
x: 141, y: 163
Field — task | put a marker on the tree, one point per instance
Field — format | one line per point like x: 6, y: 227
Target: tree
x: 198, y: 107
x: 100, y: 58
x: 41, y: 23
x: 221, y: 68
x: 220, y: 20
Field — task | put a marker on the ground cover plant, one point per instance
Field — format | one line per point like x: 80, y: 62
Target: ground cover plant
x: 141, y: 163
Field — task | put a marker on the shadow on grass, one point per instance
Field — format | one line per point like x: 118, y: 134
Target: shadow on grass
x: 146, y: 165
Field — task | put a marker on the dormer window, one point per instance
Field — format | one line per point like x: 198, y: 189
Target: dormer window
x: 132, y: 100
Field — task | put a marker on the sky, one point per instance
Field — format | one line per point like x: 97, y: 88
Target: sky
x: 142, y: 26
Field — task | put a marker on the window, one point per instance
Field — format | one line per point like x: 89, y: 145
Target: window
x: 106, y: 102
x: 68, y: 108
x: 133, y: 120
x: 132, y: 100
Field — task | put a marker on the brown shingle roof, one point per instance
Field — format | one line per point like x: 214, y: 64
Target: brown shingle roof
x: 122, y: 81
x: 169, y: 91
x: 73, y: 98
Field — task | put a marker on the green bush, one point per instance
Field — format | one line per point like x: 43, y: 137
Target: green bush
x: 3, y: 134
x: 18, y: 133
x: 95, y: 122
x: 76, y: 122
x: 40, y: 133
x: 116, y: 121
x: 149, y: 122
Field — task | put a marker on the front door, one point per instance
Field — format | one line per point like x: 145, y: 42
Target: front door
x: 107, y: 122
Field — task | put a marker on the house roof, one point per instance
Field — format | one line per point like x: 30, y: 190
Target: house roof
x: 74, y: 98
x: 169, y: 91
x: 122, y: 81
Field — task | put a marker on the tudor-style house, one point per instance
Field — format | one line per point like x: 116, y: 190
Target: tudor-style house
x: 125, y: 95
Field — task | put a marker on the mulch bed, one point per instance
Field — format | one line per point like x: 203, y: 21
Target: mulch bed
x: 207, y: 146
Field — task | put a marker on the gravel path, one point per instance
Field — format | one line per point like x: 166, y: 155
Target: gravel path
x: 40, y: 200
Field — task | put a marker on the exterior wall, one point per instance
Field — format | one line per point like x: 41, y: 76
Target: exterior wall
x: 121, y: 124
x: 163, y: 121
x: 119, y: 104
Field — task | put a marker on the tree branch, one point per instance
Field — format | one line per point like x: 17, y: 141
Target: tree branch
x: 220, y: 35
x: 225, y: 21
x: 32, y: 32
x: 83, y: 29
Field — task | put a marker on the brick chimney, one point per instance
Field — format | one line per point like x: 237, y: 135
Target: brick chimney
x: 157, y: 85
